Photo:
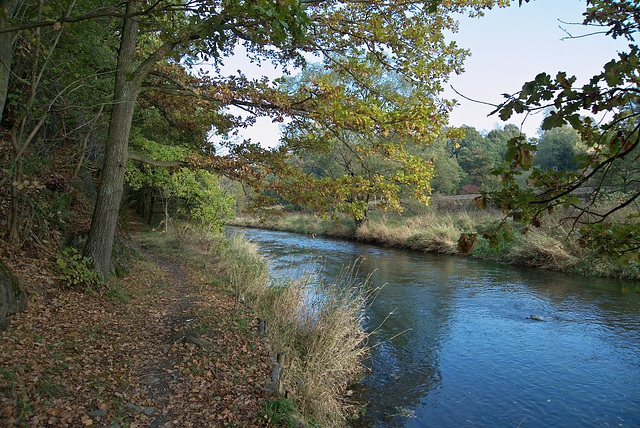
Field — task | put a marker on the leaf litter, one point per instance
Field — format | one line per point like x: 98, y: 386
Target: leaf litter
x: 168, y: 350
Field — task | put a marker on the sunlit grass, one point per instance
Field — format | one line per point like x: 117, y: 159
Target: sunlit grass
x: 553, y: 246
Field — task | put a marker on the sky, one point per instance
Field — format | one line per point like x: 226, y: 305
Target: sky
x: 509, y: 46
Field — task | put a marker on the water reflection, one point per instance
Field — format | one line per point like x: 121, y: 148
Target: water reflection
x: 485, y: 345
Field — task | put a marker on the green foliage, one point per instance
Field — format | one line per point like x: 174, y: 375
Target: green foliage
x: 196, y: 192
x: 345, y: 156
x: 557, y: 149
x: 279, y: 412
x: 139, y: 175
x: 76, y: 269
x: 206, y: 202
x: 479, y: 154
x: 376, y: 92
x: 476, y: 163
x: 617, y: 238
x: 448, y: 177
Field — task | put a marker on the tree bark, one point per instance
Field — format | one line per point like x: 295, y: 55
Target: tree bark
x: 127, y: 86
x: 6, y: 52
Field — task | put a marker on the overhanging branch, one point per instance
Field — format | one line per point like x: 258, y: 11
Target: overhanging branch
x: 163, y: 164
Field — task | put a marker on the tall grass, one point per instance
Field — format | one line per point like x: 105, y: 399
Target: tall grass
x: 538, y: 249
x: 317, y: 325
x: 554, y: 246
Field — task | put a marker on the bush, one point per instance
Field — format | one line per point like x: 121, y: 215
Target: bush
x: 76, y: 269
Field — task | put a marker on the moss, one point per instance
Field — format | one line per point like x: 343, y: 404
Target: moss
x: 6, y: 272
x: 14, y: 299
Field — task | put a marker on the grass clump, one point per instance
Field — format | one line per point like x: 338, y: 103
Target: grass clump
x: 280, y: 412
x: 538, y: 249
x: 45, y: 387
x: 319, y: 327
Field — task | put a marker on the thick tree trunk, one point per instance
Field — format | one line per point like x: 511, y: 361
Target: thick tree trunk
x: 129, y: 78
x: 6, y: 52
x: 105, y: 215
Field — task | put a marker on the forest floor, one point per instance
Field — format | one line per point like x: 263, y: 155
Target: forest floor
x: 161, y: 348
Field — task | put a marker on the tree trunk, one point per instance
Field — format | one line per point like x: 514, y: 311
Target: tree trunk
x: 152, y: 202
x: 145, y: 203
x: 14, y: 212
x: 127, y: 86
x: 129, y: 78
x: 6, y: 51
x: 361, y: 221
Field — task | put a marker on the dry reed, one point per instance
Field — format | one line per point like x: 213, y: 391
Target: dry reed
x: 318, y: 325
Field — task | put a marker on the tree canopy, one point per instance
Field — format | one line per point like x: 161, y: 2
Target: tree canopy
x: 136, y: 65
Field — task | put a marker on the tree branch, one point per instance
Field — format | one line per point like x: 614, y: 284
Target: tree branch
x: 163, y: 164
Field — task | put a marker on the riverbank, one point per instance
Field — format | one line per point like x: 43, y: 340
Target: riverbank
x: 551, y: 247
x: 177, y: 342
x: 316, y: 349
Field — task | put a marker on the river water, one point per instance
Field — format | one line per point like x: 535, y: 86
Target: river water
x: 484, y: 345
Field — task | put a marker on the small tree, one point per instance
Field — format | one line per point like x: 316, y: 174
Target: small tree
x: 557, y: 149
x: 448, y: 174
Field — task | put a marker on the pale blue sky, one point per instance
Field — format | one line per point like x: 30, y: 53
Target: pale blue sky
x: 512, y: 45
x: 508, y: 47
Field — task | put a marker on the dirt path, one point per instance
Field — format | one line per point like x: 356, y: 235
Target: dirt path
x: 161, y: 349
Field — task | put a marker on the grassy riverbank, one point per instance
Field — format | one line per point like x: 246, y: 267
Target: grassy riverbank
x: 322, y: 343
x: 552, y: 246
x: 177, y: 342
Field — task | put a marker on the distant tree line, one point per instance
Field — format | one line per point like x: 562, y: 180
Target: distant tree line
x: 463, y: 158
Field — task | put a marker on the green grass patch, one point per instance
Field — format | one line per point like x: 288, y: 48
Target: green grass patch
x: 8, y: 380
x: 280, y: 412
x: 49, y: 389
x: 118, y: 294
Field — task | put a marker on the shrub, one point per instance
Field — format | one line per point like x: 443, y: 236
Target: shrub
x: 537, y: 249
x: 76, y: 269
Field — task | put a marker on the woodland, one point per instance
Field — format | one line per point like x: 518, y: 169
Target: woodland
x: 109, y: 109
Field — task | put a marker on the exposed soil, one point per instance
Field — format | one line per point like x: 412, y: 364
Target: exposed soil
x: 162, y: 348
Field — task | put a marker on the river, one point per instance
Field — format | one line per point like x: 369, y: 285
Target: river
x: 484, y: 345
